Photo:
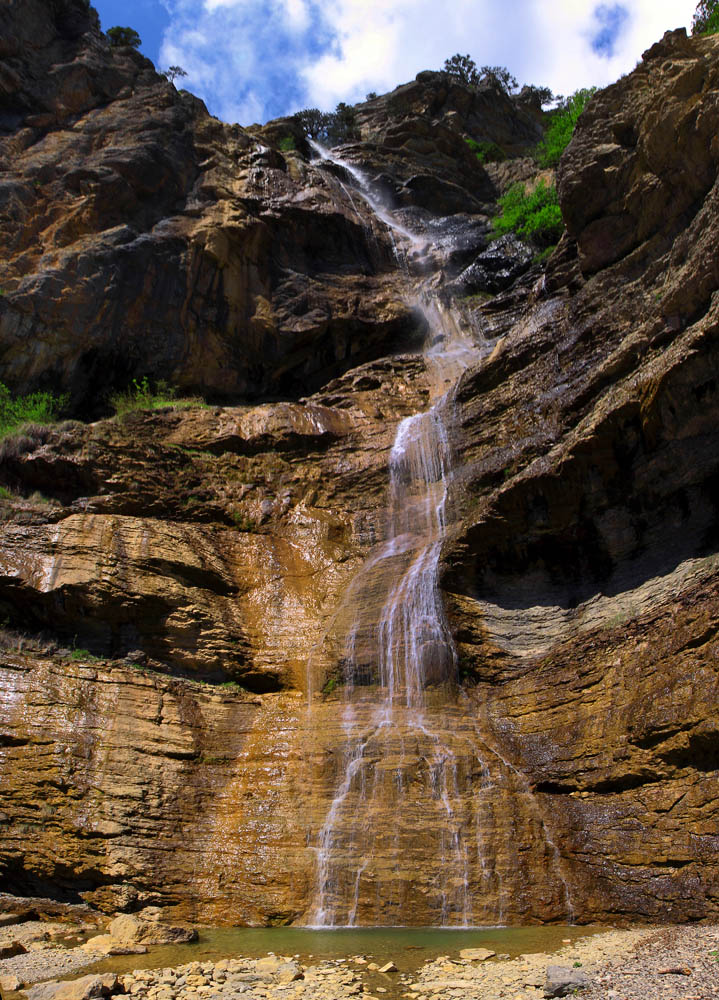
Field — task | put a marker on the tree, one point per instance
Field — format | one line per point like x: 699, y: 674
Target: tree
x: 313, y: 122
x: 499, y: 76
x: 706, y: 18
x: 333, y: 127
x: 537, y: 97
x: 342, y: 123
x: 463, y: 69
x: 120, y: 37
x: 173, y: 72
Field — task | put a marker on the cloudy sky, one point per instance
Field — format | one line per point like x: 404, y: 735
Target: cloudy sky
x: 252, y: 60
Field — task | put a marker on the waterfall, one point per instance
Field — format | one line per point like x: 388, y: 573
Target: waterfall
x: 406, y: 784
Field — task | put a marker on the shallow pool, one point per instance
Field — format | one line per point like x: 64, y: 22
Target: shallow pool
x: 408, y: 947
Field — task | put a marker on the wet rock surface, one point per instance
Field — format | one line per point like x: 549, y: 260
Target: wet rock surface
x: 174, y: 582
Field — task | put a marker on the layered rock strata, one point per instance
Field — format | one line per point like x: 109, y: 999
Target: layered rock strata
x: 150, y: 560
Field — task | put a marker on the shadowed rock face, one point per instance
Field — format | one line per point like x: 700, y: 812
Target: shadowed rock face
x: 174, y: 583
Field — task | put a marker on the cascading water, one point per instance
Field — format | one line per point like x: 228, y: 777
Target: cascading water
x: 410, y: 774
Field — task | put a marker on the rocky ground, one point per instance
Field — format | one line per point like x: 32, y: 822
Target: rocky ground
x: 676, y: 963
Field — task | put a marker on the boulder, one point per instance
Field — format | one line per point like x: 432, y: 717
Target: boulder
x: 562, y: 981
x: 131, y: 929
x: 106, y: 944
x: 12, y: 949
x: 476, y: 954
x: 88, y: 987
x: 9, y: 983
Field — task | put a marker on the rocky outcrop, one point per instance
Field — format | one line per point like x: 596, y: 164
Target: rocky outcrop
x: 177, y: 585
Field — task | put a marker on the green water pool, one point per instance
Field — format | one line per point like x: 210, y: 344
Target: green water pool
x: 407, y: 947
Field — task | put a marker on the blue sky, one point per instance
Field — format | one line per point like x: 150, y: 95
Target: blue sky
x: 251, y: 60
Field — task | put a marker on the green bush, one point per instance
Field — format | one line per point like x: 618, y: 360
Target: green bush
x: 561, y: 127
x: 36, y: 408
x: 142, y: 396
x: 121, y: 37
x: 287, y: 144
x: 487, y: 152
x: 534, y: 216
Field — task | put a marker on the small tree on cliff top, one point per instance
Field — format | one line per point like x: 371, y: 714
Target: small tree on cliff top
x: 463, y: 69
x: 706, y: 18
x: 120, y: 37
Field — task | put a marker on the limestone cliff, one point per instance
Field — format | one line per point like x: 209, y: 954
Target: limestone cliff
x: 176, y: 585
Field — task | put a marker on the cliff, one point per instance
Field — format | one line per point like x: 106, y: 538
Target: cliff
x: 178, y: 585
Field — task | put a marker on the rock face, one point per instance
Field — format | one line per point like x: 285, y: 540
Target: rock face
x: 177, y: 585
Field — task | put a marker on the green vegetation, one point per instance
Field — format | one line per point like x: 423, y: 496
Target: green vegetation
x: 287, y: 144
x: 35, y: 408
x: 706, y: 18
x: 535, y: 216
x: 330, y: 686
x: 84, y: 655
x: 561, y: 127
x: 332, y: 127
x: 464, y: 70
x: 6, y: 494
x: 233, y: 687
x: 142, y: 396
x: 487, y: 152
x: 120, y: 37
x: 243, y: 523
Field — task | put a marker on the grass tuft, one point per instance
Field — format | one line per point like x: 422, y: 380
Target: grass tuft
x: 35, y: 408
x: 141, y: 395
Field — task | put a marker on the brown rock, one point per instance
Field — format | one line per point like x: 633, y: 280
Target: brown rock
x: 129, y: 930
x: 87, y: 988
x: 9, y: 983
x: 12, y: 949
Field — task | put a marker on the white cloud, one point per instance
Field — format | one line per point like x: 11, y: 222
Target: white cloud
x: 254, y: 59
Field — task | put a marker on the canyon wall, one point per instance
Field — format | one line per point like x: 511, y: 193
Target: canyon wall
x: 173, y: 583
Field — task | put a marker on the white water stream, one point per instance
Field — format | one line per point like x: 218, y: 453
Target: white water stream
x: 406, y: 786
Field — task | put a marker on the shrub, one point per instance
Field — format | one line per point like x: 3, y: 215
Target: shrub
x: 120, y: 37
x: 142, y: 396
x: 561, y: 127
x: 287, y: 144
x: 487, y: 152
x: 706, y: 18
x: 36, y: 408
x: 534, y: 216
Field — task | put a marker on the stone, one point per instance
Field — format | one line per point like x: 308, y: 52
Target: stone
x: 9, y: 982
x: 578, y: 573
x: 389, y: 967
x: 130, y: 929
x: 562, y: 981
x: 476, y: 954
x: 106, y: 944
x: 12, y: 949
x: 87, y: 987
